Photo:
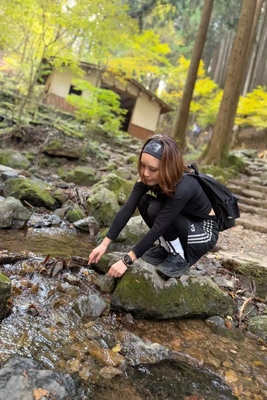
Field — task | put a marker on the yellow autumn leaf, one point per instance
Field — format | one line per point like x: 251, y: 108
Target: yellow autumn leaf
x: 117, y: 348
x: 39, y: 393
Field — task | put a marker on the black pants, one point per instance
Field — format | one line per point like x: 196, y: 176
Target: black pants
x: 196, y: 237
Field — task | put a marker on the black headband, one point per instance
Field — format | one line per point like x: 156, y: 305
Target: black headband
x: 154, y: 148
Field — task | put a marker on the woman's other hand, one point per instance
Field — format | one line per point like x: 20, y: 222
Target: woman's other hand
x: 117, y: 269
x: 97, y: 253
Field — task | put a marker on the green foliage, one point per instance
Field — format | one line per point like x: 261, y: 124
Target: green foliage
x: 98, y: 107
x: 65, y: 33
x: 206, y: 97
x: 252, y: 109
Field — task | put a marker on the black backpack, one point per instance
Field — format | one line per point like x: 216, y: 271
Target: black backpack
x: 224, y: 203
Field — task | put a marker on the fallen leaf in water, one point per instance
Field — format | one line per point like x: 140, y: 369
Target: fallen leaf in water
x: 32, y: 310
x: 231, y: 376
x: 22, y: 339
x: 116, y: 348
x: 176, y: 344
x: 34, y: 288
x: 228, y: 324
x: 46, y: 259
x: 110, y: 372
x: 58, y: 266
x: 39, y: 393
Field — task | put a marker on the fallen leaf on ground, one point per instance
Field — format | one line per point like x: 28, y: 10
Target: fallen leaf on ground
x: 39, y: 393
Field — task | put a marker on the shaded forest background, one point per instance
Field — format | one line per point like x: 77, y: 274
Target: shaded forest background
x: 205, y: 58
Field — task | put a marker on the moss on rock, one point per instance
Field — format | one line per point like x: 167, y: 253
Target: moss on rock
x: 114, y: 183
x: 84, y: 176
x: 103, y: 205
x: 34, y: 192
x: 143, y: 293
x: 13, y: 159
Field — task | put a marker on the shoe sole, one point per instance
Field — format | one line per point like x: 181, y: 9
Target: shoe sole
x: 152, y: 260
x: 178, y: 274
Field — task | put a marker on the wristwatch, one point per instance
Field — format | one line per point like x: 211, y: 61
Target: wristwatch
x: 127, y: 260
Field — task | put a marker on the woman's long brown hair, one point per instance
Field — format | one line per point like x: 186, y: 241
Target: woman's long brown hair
x: 171, y: 167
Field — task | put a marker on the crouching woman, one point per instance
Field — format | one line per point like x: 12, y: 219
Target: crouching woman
x: 168, y: 199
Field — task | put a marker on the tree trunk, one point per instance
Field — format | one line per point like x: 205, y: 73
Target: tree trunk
x: 220, y: 141
x: 256, y: 67
x: 183, y: 112
x: 252, y: 39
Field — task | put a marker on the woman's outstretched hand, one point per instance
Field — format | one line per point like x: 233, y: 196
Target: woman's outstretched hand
x: 117, y: 269
x: 96, y: 254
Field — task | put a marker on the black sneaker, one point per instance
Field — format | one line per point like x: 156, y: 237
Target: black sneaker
x: 173, y: 267
x: 155, y: 255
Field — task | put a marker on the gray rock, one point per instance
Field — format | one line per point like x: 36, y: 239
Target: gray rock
x: 43, y: 221
x: 90, y: 306
x: 9, y: 174
x: 13, y: 214
x: 137, y: 351
x: 20, y: 376
x: 258, y: 326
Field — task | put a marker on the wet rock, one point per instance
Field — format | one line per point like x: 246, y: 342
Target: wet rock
x: 87, y: 224
x: 224, y: 327
x: 258, y: 326
x: 43, y: 221
x: 13, y: 214
x: 25, y: 379
x: 137, y: 351
x: 90, y: 306
x: 105, y: 283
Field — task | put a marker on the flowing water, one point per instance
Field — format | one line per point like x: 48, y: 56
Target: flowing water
x: 43, y: 325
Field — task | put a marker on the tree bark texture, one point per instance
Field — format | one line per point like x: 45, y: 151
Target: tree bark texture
x: 220, y: 141
x: 183, y: 112
x: 252, y: 42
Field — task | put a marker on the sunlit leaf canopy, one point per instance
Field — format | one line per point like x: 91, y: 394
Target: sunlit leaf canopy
x: 68, y: 31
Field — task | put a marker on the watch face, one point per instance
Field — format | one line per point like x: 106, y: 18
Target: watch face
x: 128, y: 259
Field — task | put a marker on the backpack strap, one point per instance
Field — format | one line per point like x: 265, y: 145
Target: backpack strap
x: 195, y: 174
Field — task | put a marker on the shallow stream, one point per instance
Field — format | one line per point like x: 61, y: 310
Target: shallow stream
x: 43, y: 325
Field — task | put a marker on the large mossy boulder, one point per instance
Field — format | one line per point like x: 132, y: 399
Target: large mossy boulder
x: 5, y: 293
x: 13, y: 159
x: 35, y: 192
x: 114, y: 183
x: 60, y: 148
x: 83, y: 176
x: 13, y: 214
x: 103, y: 206
x: 142, y: 292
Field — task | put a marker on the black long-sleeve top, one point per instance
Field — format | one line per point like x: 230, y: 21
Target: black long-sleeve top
x: 188, y: 197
